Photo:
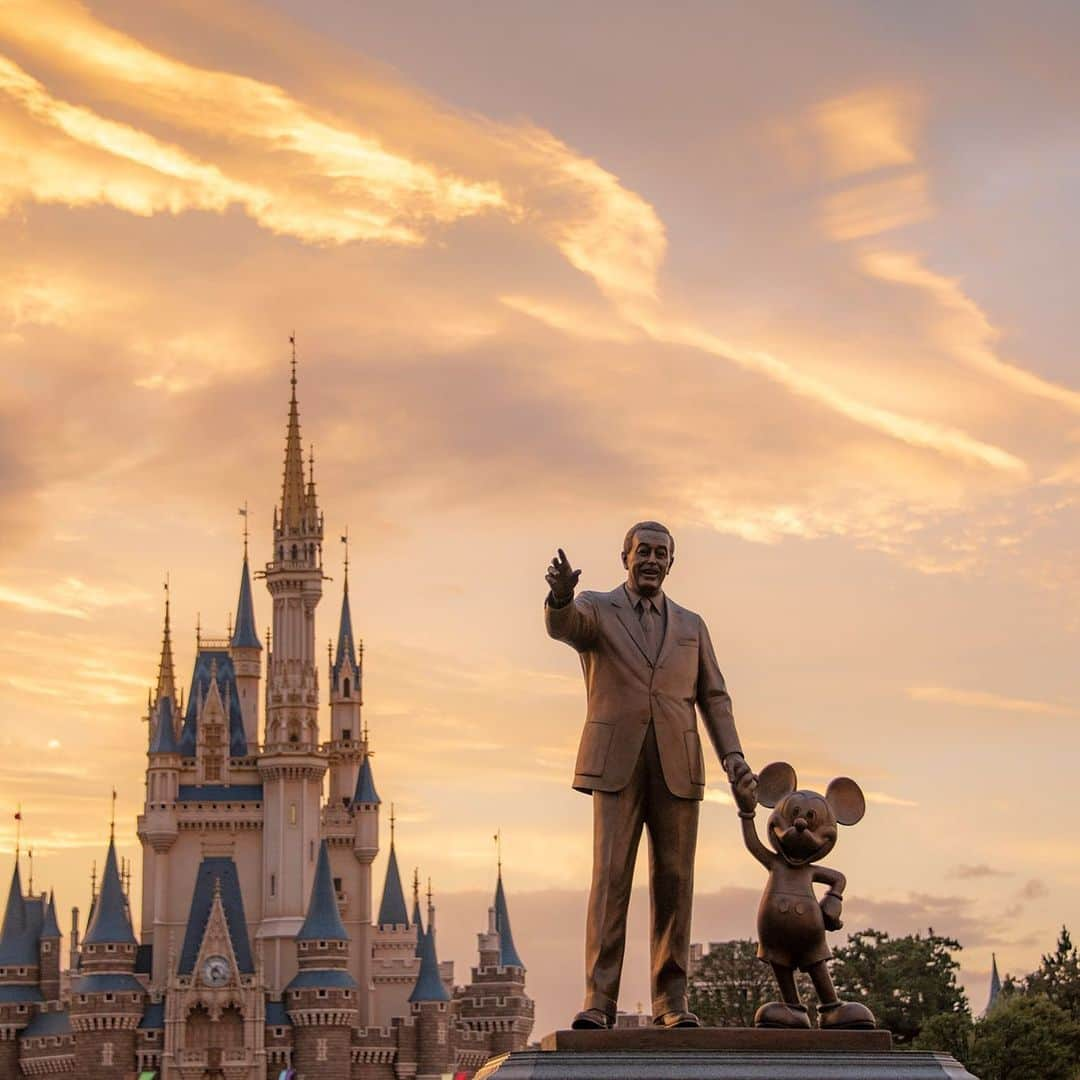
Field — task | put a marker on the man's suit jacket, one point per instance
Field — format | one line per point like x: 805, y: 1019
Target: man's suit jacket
x: 626, y: 690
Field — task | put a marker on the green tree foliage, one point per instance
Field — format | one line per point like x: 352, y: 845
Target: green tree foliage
x: 904, y: 981
x: 947, y: 1033
x: 1026, y: 1037
x: 731, y: 984
x: 1058, y: 976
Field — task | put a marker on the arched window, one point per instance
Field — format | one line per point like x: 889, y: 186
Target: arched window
x: 346, y: 687
x: 294, y: 552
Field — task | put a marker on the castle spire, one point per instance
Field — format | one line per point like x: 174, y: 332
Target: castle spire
x: 392, y: 911
x: 110, y: 923
x: 15, y: 913
x: 323, y: 922
x: 166, y: 681
x: 345, y: 656
x: 429, y: 985
x: 244, y: 635
x: 508, y: 954
x: 995, y: 984
x: 293, y: 494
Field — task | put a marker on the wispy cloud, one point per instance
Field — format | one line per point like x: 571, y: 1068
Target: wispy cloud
x: 982, y: 699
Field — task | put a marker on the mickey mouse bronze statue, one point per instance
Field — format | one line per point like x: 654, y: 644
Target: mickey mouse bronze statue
x: 791, y: 920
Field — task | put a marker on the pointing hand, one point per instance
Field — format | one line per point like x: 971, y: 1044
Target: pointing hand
x: 561, y: 577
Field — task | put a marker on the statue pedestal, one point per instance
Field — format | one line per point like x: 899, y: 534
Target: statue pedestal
x: 720, y: 1054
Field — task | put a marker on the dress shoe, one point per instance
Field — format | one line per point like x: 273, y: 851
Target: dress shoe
x: 778, y: 1014
x: 845, y: 1016
x: 676, y: 1019
x: 592, y: 1020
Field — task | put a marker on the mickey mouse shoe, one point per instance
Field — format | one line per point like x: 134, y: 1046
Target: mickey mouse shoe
x: 778, y: 1014
x: 845, y: 1016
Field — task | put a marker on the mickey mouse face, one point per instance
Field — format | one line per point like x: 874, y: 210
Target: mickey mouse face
x: 802, y: 828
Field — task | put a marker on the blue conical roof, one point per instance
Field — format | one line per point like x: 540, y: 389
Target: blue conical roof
x: 323, y: 922
x: 50, y: 928
x: 365, y: 785
x: 429, y: 986
x: 244, y: 636
x: 392, y: 910
x: 18, y: 944
x: 346, y: 642
x: 508, y: 955
x: 164, y: 740
x: 110, y: 922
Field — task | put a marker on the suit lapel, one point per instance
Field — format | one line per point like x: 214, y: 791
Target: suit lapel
x: 628, y: 617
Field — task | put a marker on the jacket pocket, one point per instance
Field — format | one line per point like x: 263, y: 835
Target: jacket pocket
x: 593, y: 751
x: 694, y: 758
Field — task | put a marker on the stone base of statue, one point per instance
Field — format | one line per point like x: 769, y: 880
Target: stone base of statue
x: 720, y: 1054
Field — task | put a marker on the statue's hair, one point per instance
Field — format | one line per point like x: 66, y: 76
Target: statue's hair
x: 655, y: 526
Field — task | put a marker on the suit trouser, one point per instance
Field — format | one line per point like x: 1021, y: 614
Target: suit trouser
x: 618, y: 817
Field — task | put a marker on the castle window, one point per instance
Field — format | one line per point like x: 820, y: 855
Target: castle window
x: 107, y: 1054
x: 320, y: 1050
x: 346, y: 690
x: 108, y: 997
x: 348, y: 993
x: 110, y: 948
x: 321, y: 993
x: 46, y: 946
x: 311, y: 851
x: 22, y: 971
x: 322, y: 944
x: 292, y: 813
x: 347, y: 732
x: 294, y: 552
x: 337, y: 884
x: 279, y: 1033
x: 273, y: 884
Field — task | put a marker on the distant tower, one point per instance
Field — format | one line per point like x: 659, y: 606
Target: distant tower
x: 49, y: 953
x: 394, y: 951
x: 430, y: 1005
x: 246, y: 651
x: 106, y: 998
x: 292, y: 765
x: 495, y: 1000
x: 157, y: 825
x: 348, y: 743
x: 995, y: 984
x: 18, y: 992
x: 321, y: 999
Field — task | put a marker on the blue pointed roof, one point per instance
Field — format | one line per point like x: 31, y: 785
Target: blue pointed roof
x: 217, y: 870
x: 164, y: 740
x: 110, y: 922
x: 508, y: 954
x: 392, y: 910
x: 20, y: 932
x: 50, y: 927
x: 244, y: 635
x: 346, y: 643
x: 200, y: 686
x: 323, y: 922
x: 365, y: 785
x: 429, y: 986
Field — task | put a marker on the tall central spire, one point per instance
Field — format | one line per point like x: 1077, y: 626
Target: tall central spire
x: 293, y: 494
x: 166, y: 682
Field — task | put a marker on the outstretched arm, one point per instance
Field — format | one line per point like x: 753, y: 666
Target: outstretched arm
x: 567, y: 619
x: 745, y: 793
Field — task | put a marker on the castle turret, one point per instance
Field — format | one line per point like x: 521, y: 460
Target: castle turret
x: 293, y: 764
x: 394, y: 953
x: 995, y: 985
x: 19, y: 993
x: 347, y: 745
x: 49, y: 952
x: 106, y: 999
x: 495, y: 1000
x: 430, y: 1006
x: 245, y: 648
x: 322, y: 997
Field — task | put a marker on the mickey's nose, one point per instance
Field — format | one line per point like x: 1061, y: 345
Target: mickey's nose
x: 800, y: 824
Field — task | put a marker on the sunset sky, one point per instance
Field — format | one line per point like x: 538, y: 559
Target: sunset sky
x: 798, y: 280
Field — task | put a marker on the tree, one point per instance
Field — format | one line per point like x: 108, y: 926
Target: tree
x: 731, y: 984
x: 904, y: 981
x: 948, y: 1033
x: 1058, y: 976
x: 1026, y: 1037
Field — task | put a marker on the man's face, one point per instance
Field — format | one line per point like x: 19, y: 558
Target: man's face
x: 648, y: 561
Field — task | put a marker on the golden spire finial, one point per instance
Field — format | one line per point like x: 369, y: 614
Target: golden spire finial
x: 243, y: 512
x: 498, y: 849
x: 345, y: 541
x: 416, y: 886
x: 292, y: 342
x: 112, y: 819
x: 393, y: 821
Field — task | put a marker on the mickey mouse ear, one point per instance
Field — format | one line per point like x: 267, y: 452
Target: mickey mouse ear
x: 846, y: 800
x: 774, y: 782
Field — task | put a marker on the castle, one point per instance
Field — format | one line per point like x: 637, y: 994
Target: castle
x: 260, y: 956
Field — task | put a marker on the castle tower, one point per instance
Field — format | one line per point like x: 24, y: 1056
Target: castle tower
x: 245, y: 648
x: 394, y: 947
x: 157, y: 825
x: 292, y: 765
x: 49, y: 953
x: 495, y: 1000
x: 321, y: 999
x: 995, y: 985
x: 430, y: 1006
x: 348, y: 742
x: 19, y: 994
x: 106, y: 999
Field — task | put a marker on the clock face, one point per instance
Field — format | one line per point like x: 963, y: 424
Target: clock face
x: 215, y: 971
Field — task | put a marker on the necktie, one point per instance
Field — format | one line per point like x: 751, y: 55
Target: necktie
x: 648, y: 627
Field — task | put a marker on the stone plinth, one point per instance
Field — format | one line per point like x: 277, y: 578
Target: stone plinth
x: 720, y: 1054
